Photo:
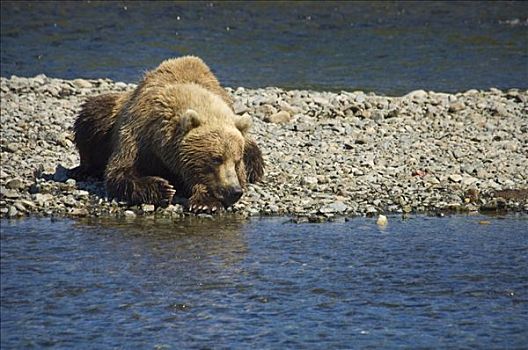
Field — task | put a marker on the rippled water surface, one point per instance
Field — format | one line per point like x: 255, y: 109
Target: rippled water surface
x: 423, y: 282
x: 386, y: 47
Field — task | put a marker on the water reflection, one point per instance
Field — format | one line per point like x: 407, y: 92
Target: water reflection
x: 229, y: 283
x: 185, y: 249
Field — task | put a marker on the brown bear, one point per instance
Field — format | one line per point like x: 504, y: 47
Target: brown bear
x: 176, y: 132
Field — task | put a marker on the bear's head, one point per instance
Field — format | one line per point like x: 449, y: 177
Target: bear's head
x: 212, y: 154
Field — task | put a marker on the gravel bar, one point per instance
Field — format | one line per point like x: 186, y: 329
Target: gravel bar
x: 329, y: 155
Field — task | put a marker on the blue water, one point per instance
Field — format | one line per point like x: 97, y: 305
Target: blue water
x: 385, y: 47
x: 450, y: 282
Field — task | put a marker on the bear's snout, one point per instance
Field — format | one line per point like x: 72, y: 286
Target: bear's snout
x: 232, y: 194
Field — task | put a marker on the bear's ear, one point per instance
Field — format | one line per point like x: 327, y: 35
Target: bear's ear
x: 190, y: 120
x: 243, y: 123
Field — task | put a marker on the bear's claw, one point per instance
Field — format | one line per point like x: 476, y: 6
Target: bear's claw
x: 202, y: 202
x: 165, y: 191
x: 204, y: 208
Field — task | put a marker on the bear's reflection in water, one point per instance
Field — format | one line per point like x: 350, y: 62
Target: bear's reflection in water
x: 189, y: 253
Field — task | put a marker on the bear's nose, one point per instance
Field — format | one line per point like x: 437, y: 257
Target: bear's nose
x: 233, y: 194
x: 236, y: 192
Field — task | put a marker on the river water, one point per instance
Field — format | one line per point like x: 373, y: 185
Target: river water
x: 453, y: 282
x: 385, y: 47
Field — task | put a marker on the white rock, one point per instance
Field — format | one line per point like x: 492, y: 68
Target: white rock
x: 455, y: 177
x: 382, y: 220
x: 129, y: 214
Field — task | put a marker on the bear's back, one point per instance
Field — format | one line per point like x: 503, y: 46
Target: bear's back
x: 187, y: 69
x: 171, y: 101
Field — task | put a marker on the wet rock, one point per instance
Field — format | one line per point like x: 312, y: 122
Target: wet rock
x: 205, y: 216
x: 12, y: 211
x: 148, y: 208
x: 174, y: 209
x: 382, y: 220
x: 317, y: 219
x: 79, y: 212
x: 300, y: 220
x: 494, y: 204
x: 129, y: 214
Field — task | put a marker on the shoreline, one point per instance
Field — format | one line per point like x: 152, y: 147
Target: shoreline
x: 328, y: 154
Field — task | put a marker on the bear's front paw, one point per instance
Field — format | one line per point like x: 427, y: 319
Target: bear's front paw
x: 157, y: 190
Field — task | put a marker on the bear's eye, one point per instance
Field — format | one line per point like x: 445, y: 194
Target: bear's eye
x: 217, y: 160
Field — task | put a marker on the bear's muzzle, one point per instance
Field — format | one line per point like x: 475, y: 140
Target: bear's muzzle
x: 231, y: 195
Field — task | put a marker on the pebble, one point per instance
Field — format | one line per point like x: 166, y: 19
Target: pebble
x: 147, y: 208
x: 14, y: 184
x: 456, y: 107
x: 129, y: 214
x: 278, y: 118
x: 455, y: 177
x: 328, y: 155
x: 9, y: 193
x: 81, y: 84
x: 12, y: 211
x: 336, y: 207
x: 416, y: 95
x: 79, y: 212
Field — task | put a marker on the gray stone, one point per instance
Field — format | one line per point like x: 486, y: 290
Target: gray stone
x: 79, y: 212
x: 12, y: 147
x: 129, y: 214
x: 9, y: 193
x: 42, y: 199
x: 309, y: 180
x: 416, y: 95
x: 239, y: 107
x: 81, y: 84
x: 121, y: 86
x: 335, y: 207
x: 278, y: 118
x: 14, y: 184
x: 456, y: 106
x: 81, y: 193
x: 455, y: 177
x: 12, y: 211
x: 148, y: 208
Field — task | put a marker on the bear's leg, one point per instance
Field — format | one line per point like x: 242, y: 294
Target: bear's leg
x: 253, y: 161
x: 138, y: 190
x: 93, y: 128
x: 125, y: 183
x: 202, y: 202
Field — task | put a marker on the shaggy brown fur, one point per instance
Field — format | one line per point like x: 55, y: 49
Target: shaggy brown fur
x: 175, y: 132
x: 93, y: 133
